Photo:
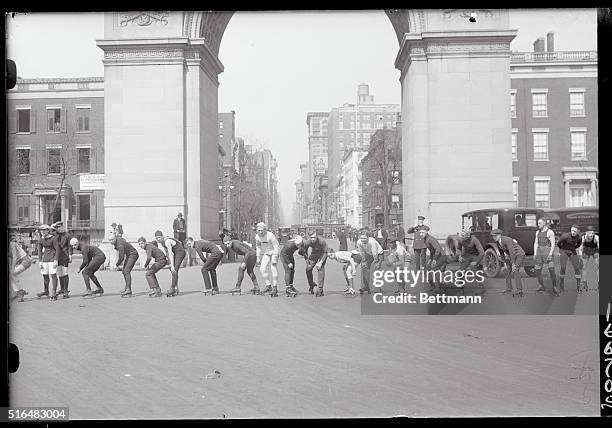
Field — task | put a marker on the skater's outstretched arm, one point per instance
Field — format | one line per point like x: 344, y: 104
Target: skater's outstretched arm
x: 86, y: 256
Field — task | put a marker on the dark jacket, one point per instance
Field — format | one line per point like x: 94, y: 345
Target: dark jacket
x: 241, y: 248
x: 178, y: 225
x: 511, y: 248
x: 47, y: 247
x: 400, y: 234
x: 153, y: 251
x: 90, y: 253
x: 569, y: 243
x: 471, y: 247
x: 125, y: 249
x: 204, y: 246
x: 319, y: 249
x: 342, y: 239
x: 434, y: 247
x: 63, y: 250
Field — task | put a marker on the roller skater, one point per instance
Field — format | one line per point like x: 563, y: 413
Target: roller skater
x: 590, y: 252
x: 160, y: 261
x: 349, y: 261
x: 209, y: 273
x: 436, y: 259
x: 397, y: 259
x: 370, y: 252
x: 93, y: 258
x: 19, y: 261
x: 128, y: 256
x: 267, y: 254
x: 63, y: 256
x: 543, y: 248
x: 176, y: 254
x: 47, y: 251
x: 514, y: 257
x: 316, y: 259
x: 568, y: 244
x: 286, y: 256
x: 248, y: 263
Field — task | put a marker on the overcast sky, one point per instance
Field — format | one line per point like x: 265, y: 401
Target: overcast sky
x: 279, y: 66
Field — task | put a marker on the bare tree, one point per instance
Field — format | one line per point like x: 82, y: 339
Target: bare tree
x: 387, y: 158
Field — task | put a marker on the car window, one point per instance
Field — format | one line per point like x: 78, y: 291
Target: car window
x: 468, y: 222
x: 490, y: 221
x: 525, y: 220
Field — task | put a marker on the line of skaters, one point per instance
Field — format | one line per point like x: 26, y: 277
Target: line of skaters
x: 57, y: 248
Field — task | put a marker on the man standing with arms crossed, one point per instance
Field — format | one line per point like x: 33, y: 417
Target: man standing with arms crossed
x: 543, y: 248
x: 514, y: 257
x: 568, y: 244
x: 370, y: 251
x: 63, y: 256
x: 267, y: 254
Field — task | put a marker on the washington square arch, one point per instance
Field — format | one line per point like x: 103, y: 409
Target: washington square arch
x: 161, y: 90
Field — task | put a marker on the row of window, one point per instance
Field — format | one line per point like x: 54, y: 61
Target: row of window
x: 54, y: 160
x: 539, y: 102
x: 23, y: 202
x: 578, y: 148
x: 579, y: 193
x: 366, y: 125
x: 56, y: 119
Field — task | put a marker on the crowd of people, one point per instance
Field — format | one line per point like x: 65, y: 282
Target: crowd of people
x: 56, y: 248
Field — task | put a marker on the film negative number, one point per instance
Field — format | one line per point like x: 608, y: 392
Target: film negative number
x: 607, y: 351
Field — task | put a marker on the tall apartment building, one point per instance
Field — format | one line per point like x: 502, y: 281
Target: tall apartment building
x: 56, y: 153
x: 317, y: 143
x: 351, y: 127
x: 227, y: 141
x: 351, y: 187
x: 554, y: 127
x: 302, y: 195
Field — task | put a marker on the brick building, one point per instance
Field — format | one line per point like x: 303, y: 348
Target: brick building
x: 554, y: 127
x: 56, y: 155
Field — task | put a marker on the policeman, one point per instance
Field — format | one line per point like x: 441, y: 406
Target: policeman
x: 419, y: 247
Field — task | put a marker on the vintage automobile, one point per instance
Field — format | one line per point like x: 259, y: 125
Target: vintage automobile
x: 517, y: 223
x: 561, y: 219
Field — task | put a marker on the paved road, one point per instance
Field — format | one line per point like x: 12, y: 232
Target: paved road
x: 109, y: 357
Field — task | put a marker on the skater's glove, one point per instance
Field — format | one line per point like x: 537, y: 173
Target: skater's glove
x: 290, y: 265
x: 514, y: 269
x: 172, y: 269
x: 54, y: 264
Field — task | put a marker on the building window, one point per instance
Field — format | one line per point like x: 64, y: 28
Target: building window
x: 513, y: 104
x: 23, y: 208
x: 220, y: 124
x: 577, y: 103
x: 580, y: 195
x: 83, y: 160
x: 82, y: 119
x: 514, y: 145
x: 540, y: 146
x: 395, y: 201
x: 578, y: 145
x: 54, y: 161
x: 84, y: 207
x: 221, y: 136
x: 23, y: 120
x: 54, y: 119
x: 542, y: 193
x: 539, y: 104
x: 23, y: 161
x: 515, y: 183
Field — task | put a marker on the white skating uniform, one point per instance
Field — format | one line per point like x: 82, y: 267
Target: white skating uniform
x: 347, y: 258
x: 267, y: 251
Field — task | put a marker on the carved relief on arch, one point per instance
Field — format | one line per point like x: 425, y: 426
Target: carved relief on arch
x: 209, y: 26
x: 406, y: 21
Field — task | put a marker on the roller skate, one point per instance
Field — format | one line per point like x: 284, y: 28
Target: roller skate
x: 66, y: 294
x: 290, y: 291
x: 42, y: 294
x: 172, y: 292
x: 585, y: 287
x: 556, y: 291
x: 87, y: 293
x: 508, y: 292
x: 127, y: 292
x: 365, y: 290
x: 20, y: 295
x: 155, y: 292
x: 540, y: 289
x: 274, y: 292
x: 320, y: 292
x: 99, y: 291
x: 214, y: 291
x: 267, y: 289
x: 311, y: 289
x: 53, y: 297
x: 208, y: 292
x: 236, y: 289
x: 255, y: 291
x: 349, y: 291
x: 518, y: 294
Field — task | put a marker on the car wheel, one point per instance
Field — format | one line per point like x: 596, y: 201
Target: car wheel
x: 530, y: 271
x: 491, y: 264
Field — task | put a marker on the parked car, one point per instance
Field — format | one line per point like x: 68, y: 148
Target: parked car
x: 561, y: 219
x: 517, y: 223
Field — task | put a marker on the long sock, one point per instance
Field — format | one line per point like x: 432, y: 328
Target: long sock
x: 539, y: 276
x: 254, y: 279
x: 128, y: 280
x: 54, y: 281
x: 553, y: 276
x: 46, y: 282
x: 95, y: 281
x: 213, y: 278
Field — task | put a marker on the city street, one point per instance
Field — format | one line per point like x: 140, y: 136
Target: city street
x: 142, y: 357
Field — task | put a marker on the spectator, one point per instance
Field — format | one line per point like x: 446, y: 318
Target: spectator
x: 179, y: 227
